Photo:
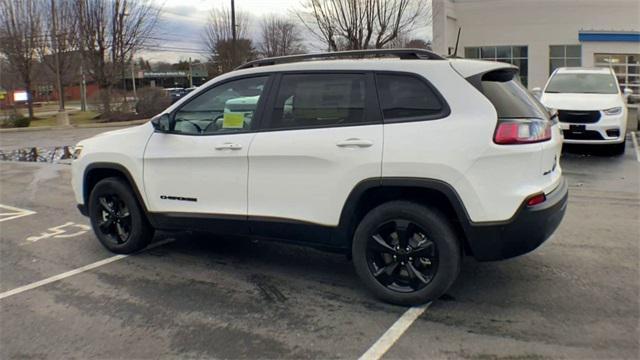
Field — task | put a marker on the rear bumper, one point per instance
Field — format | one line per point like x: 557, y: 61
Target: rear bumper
x: 525, y: 231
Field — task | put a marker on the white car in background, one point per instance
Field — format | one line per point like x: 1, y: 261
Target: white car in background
x: 591, y: 108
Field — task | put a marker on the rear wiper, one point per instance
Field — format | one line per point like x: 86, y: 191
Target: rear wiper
x: 552, y: 92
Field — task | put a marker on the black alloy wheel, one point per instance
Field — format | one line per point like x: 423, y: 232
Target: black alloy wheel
x: 406, y: 253
x: 117, y: 218
x: 401, y: 257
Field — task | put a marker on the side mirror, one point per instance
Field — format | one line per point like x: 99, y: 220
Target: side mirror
x: 162, y: 123
x: 627, y: 92
x: 537, y: 92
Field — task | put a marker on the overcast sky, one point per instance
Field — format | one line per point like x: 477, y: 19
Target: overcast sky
x: 179, y: 34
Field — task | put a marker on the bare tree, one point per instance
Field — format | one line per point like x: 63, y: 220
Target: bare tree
x: 9, y: 78
x: 228, y: 56
x: 161, y: 66
x: 219, y: 26
x: 110, y: 32
x: 362, y: 24
x: 403, y: 41
x: 20, y: 34
x: 417, y: 44
x: 218, y: 39
x: 279, y: 37
x: 61, y: 40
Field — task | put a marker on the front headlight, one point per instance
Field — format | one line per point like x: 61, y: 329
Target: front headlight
x: 613, y: 111
x: 77, y: 151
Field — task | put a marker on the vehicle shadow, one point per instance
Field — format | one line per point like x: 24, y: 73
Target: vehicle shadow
x: 331, y: 272
x: 271, y: 266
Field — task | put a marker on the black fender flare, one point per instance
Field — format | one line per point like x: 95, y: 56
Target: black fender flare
x: 346, y: 224
x: 114, y: 167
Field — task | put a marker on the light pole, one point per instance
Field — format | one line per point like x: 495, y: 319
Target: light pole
x: 83, y: 81
x: 233, y: 32
x: 190, y: 74
x: 56, y: 49
x: 133, y: 78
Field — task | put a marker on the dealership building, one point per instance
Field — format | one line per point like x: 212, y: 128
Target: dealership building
x: 541, y: 35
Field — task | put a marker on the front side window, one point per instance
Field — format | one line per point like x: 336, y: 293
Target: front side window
x: 582, y: 83
x: 406, y: 98
x: 319, y: 100
x: 227, y: 108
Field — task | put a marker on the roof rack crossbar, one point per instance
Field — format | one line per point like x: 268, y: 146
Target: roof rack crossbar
x: 415, y: 54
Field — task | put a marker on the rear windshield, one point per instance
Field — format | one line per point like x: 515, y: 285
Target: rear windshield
x: 510, y: 98
x: 582, y: 83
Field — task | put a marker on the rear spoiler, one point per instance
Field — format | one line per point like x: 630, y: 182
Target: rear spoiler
x: 475, y: 71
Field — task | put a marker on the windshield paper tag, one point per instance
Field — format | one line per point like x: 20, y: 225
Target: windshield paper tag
x: 233, y: 120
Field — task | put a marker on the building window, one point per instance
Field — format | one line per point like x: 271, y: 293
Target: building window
x: 564, y: 56
x: 516, y: 55
x: 627, y: 69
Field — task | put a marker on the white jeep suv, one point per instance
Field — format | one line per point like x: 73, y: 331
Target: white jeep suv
x: 405, y: 161
x: 590, y: 106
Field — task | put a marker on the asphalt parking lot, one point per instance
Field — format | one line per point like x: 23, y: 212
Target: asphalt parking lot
x: 199, y: 296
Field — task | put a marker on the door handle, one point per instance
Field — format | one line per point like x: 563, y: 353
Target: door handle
x: 355, y: 142
x: 228, y: 146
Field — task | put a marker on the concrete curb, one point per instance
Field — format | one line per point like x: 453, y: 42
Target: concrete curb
x: 79, y: 126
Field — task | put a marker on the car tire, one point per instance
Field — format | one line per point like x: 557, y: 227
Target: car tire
x: 117, y: 218
x: 618, y: 149
x: 403, y: 285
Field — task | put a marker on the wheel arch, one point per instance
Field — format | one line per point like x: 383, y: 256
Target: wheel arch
x: 372, y: 192
x: 95, y: 172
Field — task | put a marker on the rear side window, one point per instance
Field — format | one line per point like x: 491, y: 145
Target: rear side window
x: 407, y: 98
x: 319, y: 100
x: 510, y: 98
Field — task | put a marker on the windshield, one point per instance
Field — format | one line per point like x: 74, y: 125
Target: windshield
x: 582, y: 83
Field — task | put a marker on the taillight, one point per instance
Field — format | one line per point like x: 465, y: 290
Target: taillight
x: 522, y: 131
x: 536, y: 199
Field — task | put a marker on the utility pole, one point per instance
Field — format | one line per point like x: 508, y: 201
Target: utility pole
x: 83, y: 83
x: 233, y: 32
x: 2, y: 90
x: 56, y: 49
x: 190, y: 74
x: 83, y: 87
x: 133, y: 78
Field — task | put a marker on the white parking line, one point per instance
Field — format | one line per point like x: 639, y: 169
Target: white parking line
x: 79, y: 270
x: 13, y: 212
x: 386, y: 341
x: 634, y: 138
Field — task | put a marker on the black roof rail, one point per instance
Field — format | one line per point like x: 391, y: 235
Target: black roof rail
x: 415, y: 54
